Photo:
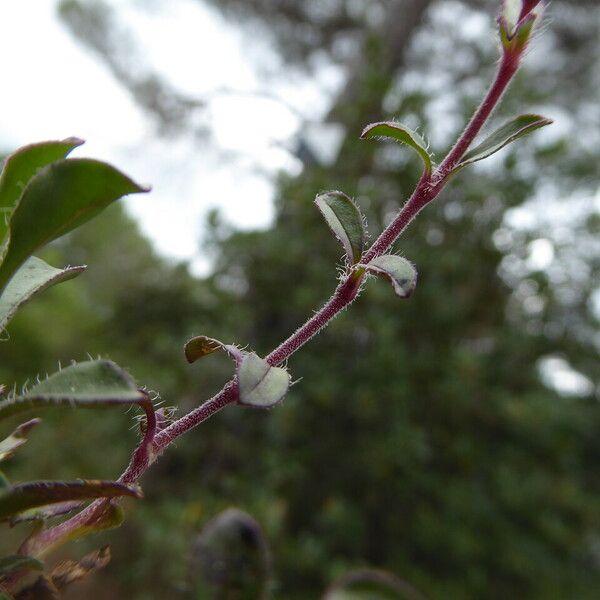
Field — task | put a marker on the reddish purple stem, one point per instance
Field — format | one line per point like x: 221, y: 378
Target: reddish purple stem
x: 426, y: 190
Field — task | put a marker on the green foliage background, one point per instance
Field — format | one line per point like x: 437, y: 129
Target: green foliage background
x: 420, y: 438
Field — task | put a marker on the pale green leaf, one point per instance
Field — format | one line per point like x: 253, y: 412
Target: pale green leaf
x: 260, y: 384
x: 33, y: 277
x: 509, y: 132
x: 398, y: 270
x: 345, y: 220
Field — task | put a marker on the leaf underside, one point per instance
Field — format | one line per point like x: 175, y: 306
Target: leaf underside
x: 508, y: 133
x: 400, y: 133
x: 345, y: 221
x: 260, y: 384
x: 33, y: 277
x: 399, y: 271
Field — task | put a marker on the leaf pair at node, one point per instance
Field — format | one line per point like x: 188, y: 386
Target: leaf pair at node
x: 347, y: 224
x: 260, y: 384
x: 509, y: 132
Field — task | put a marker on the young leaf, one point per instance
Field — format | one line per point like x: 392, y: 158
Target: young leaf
x: 201, y: 346
x: 24, y: 496
x: 345, y: 220
x: 399, y: 133
x: 89, y: 384
x: 33, y: 277
x: 261, y: 385
x: 18, y: 562
x: 398, y: 270
x: 21, y: 166
x: 16, y: 439
x: 59, y: 198
x: 509, y: 132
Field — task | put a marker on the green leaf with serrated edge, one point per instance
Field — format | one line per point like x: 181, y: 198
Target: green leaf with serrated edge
x: 260, y: 384
x: 59, y: 198
x: 21, y: 166
x: 399, y: 133
x: 33, y: 277
x: 201, y: 345
x: 509, y: 132
x: 345, y: 220
x: 89, y: 384
x: 398, y: 270
x: 16, y: 439
x: 24, y: 496
x: 19, y: 562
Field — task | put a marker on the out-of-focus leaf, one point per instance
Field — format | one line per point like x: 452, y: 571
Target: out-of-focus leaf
x: 112, y: 516
x: 509, y: 132
x: 88, y: 384
x: 261, y: 385
x: 230, y: 559
x: 201, y: 345
x: 33, y: 277
x: 16, y: 439
x: 42, y: 513
x: 41, y: 589
x: 398, y: 270
x: 345, y: 220
x: 371, y: 584
x: 59, y: 198
x: 4, y: 483
x: 69, y: 571
x: 21, y: 166
x: 399, y: 133
x: 24, y: 496
x: 18, y: 562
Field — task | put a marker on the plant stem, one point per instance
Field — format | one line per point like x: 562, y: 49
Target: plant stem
x: 427, y: 189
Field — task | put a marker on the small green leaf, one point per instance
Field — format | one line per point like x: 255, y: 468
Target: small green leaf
x: 399, y: 133
x: 89, y: 384
x: 230, y: 559
x: 59, y: 198
x: 398, y: 270
x: 24, y: 496
x: 19, y: 562
x: 261, y: 385
x: 345, y: 220
x: 21, y: 166
x: 16, y: 439
x: 33, y: 277
x: 509, y: 132
x: 201, y: 346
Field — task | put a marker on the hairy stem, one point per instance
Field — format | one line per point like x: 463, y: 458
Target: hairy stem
x: 426, y: 190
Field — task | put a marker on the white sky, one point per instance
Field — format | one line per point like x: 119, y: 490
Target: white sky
x: 54, y: 88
